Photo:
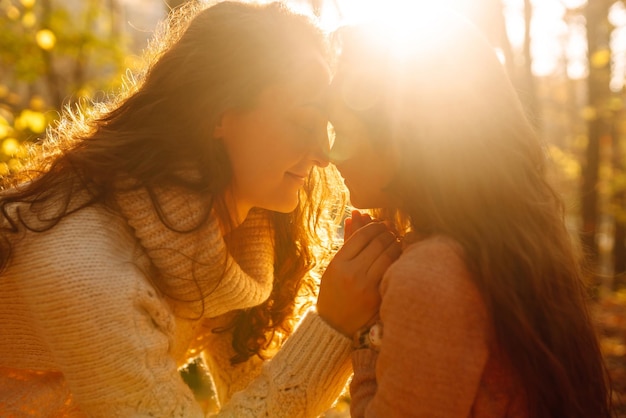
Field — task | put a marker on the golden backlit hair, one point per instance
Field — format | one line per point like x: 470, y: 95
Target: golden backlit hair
x: 201, y: 62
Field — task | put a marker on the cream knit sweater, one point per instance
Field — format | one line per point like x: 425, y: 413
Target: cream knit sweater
x: 83, y: 331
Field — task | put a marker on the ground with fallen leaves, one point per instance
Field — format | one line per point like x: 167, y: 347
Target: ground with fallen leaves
x: 610, y: 316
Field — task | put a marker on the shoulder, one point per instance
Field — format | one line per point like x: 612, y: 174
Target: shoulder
x: 436, y: 245
x: 90, y: 233
x: 431, y: 270
x: 92, y: 259
x: 431, y: 282
x: 432, y: 256
x: 90, y: 248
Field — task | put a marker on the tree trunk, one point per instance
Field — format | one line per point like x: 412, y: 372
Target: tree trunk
x: 52, y: 79
x: 491, y: 21
x: 598, y: 33
x: 526, y: 79
x: 619, y: 251
x: 618, y: 200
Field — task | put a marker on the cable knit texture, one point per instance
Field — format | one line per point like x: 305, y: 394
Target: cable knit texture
x: 84, y: 331
x: 187, y: 261
x: 438, y: 357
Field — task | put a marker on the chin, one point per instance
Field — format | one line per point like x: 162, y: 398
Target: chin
x: 358, y: 205
x: 356, y: 200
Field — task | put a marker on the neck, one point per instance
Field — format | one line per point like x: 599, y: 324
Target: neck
x: 235, y: 210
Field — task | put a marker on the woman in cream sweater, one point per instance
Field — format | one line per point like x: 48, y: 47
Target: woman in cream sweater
x: 180, y: 219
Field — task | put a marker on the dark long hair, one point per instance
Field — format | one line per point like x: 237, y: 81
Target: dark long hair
x: 159, y: 129
x: 472, y: 168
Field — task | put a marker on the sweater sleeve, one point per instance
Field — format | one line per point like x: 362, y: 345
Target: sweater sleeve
x: 105, y: 326
x: 217, y: 350
x: 303, y: 379
x: 435, y: 339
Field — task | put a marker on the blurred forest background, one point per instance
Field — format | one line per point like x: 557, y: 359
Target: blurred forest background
x: 567, y: 59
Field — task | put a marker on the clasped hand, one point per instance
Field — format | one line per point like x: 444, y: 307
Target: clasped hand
x: 349, y: 296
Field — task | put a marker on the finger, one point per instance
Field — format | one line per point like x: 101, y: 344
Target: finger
x: 347, y: 228
x: 359, y: 220
x: 375, y: 247
x: 383, y: 261
x: 356, y: 219
x: 360, y: 239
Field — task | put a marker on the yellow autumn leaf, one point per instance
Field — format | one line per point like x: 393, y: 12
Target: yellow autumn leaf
x: 589, y: 113
x: 10, y: 146
x: 14, y: 164
x: 4, y: 131
x: 29, y: 19
x: 615, y: 104
x: 601, y: 58
x: 566, y: 162
x: 13, y: 13
x: 35, y: 121
x: 37, y: 102
x: 5, y: 128
x: 45, y: 39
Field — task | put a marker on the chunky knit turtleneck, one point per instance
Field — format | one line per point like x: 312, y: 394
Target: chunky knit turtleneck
x: 196, y: 266
x: 84, y: 331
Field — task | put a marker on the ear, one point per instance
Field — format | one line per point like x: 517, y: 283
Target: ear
x: 224, y: 124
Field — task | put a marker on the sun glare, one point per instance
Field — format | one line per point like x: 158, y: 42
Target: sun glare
x: 396, y: 12
x: 553, y: 41
x: 396, y: 20
x: 556, y: 36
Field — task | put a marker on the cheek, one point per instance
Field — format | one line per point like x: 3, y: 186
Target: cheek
x: 370, y: 165
x: 259, y: 165
x: 255, y: 149
x: 366, y: 175
x: 255, y: 167
x: 387, y: 168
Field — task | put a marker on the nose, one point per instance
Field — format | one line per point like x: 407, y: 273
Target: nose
x: 320, y: 152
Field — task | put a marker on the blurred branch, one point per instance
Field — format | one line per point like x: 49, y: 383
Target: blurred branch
x: 52, y: 80
x: 527, y: 77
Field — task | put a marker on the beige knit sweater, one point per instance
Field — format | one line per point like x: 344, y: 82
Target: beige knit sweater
x: 83, y: 331
x: 439, y: 357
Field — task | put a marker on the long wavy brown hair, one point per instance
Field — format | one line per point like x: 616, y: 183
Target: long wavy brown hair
x: 201, y: 62
x: 472, y: 168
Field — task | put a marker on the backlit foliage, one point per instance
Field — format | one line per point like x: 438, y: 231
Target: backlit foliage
x: 53, y: 53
